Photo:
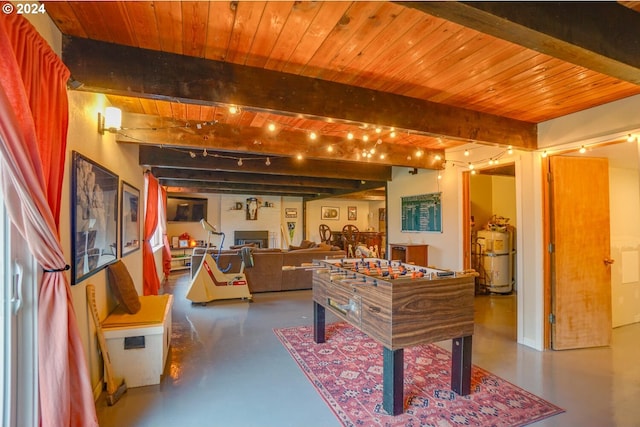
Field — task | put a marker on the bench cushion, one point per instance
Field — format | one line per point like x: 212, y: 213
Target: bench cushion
x: 122, y: 286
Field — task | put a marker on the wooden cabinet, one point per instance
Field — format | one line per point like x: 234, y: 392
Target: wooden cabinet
x: 410, y: 253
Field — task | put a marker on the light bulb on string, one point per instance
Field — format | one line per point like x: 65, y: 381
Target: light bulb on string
x: 272, y: 127
x: 268, y: 162
x: 510, y: 150
x: 350, y: 136
x: 582, y: 150
x: 239, y: 162
x: 204, y: 153
x: 544, y: 154
x: 313, y: 136
x: 192, y: 154
x: 365, y: 138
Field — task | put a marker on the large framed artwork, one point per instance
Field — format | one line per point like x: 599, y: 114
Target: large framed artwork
x: 129, y: 219
x: 94, y: 217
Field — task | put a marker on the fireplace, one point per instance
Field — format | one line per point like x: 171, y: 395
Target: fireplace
x: 259, y: 238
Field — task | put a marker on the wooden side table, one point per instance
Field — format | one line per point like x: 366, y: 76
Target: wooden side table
x: 409, y: 253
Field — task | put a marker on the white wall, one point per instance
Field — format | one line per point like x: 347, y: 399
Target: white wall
x: 624, y: 199
x: 222, y: 214
x: 121, y: 159
x: 444, y: 248
x: 366, y: 216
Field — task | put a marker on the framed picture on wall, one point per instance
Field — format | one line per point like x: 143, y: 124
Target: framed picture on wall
x: 129, y: 219
x: 352, y: 213
x: 94, y: 217
x: 330, y: 213
x: 291, y: 213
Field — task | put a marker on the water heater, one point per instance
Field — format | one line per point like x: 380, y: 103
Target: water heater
x: 497, y: 260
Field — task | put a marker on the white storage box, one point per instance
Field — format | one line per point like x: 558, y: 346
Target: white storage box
x: 138, y: 344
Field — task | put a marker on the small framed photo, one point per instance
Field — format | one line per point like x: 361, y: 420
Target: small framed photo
x: 175, y: 241
x: 291, y: 213
x: 352, y: 213
x: 330, y: 213
x: 183, y: 243
x: 129, y: 223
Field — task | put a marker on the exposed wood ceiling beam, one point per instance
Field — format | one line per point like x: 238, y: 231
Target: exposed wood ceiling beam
x: 116, y: 69
x: 254, y: 178
x: 154, y: 130
x: 170, y: 158
x: 304, y: 195
x: 602, y: 36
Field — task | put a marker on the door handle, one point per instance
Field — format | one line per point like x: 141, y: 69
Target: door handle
x: 608, y: 261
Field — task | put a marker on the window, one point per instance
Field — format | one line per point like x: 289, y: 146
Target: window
x: 18, y: 328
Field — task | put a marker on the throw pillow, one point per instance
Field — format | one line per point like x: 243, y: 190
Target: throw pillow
x: 122, y: 286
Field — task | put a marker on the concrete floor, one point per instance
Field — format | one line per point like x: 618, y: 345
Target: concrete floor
x: 227, y: 368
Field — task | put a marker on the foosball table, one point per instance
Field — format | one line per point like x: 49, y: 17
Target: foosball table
x: 399, y: 305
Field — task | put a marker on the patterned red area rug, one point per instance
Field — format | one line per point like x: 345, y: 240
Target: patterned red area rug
x: 347, y: 372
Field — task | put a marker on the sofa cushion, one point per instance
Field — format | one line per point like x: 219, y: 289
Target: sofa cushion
x: 122, y: 286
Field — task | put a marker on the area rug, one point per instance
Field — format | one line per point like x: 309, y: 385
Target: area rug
x: 347, y: 372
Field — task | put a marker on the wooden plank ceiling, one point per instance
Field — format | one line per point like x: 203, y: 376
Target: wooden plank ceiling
x: 379, y: 83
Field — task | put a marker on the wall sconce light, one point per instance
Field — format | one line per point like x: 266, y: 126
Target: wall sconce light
x: 111, y: 121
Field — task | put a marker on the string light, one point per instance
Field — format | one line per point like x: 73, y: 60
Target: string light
x: 233, y: 109
x: 313, y: 136
x: 268, y: 162
x: 204, y: 153
x: 582, y: 150
x: 239, y: 162
x: 544, y: 154
x: 272, y: 127
x: 466, y: 153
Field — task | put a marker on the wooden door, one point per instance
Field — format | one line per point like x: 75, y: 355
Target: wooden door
x: 580, y: 259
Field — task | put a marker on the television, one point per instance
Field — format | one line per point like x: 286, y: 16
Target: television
x: 186, y: 209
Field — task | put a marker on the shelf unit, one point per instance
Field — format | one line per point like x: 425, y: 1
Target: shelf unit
x: 180, y: 259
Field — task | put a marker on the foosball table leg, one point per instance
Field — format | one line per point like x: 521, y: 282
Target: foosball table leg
x: 461, y: 365
x: 318, y: 323
x: 393, y: 381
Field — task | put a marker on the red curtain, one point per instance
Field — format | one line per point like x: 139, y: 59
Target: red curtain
x: 166, y: 249
x: 151, y: 283
x: 33, y: 132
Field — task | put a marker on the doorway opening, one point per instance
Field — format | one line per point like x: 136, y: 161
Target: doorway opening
x: 490, y: 242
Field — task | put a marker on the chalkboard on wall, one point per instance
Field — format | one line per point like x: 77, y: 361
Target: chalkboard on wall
x: 422, y: 212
